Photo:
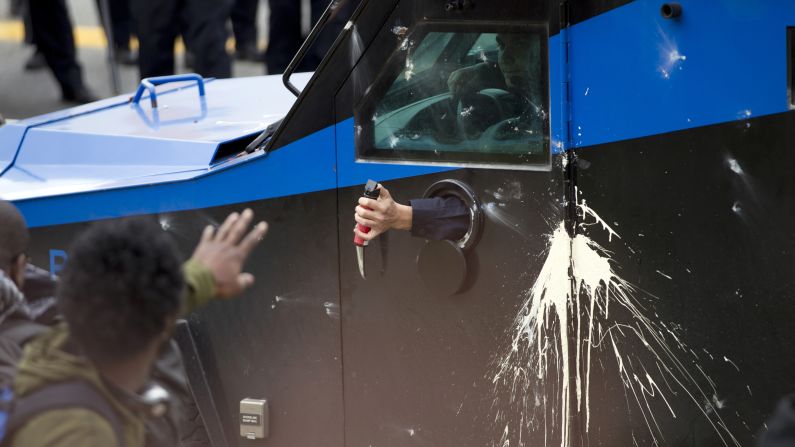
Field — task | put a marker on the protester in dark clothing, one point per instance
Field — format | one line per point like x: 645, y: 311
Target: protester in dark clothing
x: 436, y: 218
x: 52, y: 34
x: 139, y: 253
x: 285, y: 36
x: 36, y: 60
x: 158, y: 25
x: 121, y: 23
x: 244, y: 27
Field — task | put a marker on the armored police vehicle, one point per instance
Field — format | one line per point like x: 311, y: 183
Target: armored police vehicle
x: 627, y: 275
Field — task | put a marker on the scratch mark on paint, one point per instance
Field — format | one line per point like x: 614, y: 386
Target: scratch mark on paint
x: 579, y: 310
x: 727, y: 360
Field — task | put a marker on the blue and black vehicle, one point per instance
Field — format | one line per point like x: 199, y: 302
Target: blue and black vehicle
x: 627, y: 277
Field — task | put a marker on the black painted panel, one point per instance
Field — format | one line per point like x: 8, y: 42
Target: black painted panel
x: 419, y: 368
x: 581, y: 10
x: 280, y: 340
x: 705, y: 218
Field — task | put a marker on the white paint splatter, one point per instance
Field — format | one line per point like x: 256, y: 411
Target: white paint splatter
x: 408, y: 73
x: 663, y: 275
x: 165, y: 223
x: 670, y: 57
x: 400, y: 30
x: 734, y: 165
x: 393, y: 141
x: 577, y: 310
x: 332, y: 309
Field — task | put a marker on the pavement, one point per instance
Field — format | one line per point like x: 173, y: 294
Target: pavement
x: 29, y: 93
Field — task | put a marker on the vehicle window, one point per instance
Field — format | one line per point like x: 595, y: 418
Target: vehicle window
x: 463, y: 96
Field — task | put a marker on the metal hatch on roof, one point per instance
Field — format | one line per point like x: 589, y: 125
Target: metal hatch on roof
x: 114, y: 143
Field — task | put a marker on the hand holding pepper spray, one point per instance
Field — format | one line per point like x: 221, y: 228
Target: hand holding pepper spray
x: 371, y: 191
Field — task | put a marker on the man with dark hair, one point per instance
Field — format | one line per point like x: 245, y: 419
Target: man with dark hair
x: 14, y: 239
x: 120, y: 293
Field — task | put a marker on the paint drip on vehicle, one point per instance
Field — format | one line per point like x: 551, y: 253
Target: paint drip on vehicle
x: 579, y: 312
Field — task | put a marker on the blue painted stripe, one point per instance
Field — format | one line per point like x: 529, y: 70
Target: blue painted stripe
x: 305, y: 166
x: 631, y: 74
x: 302, y: 167
x: 635, y: 74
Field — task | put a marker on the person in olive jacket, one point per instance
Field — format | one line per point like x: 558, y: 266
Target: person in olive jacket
x: 120, y: 294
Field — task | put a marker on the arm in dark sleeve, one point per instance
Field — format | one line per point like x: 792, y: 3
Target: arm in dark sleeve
x: 439, y: 218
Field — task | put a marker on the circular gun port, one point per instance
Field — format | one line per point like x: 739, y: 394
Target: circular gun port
x: 671, y: 10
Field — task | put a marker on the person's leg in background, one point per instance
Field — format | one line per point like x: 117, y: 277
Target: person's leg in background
x: 52, y: 32
x: 122, y: 23
x: 244, y: 27
x: 326, y: 39
x: 206, y: 36
x: 284, y: 35
x: 36, y: 60
x: 157, y: 27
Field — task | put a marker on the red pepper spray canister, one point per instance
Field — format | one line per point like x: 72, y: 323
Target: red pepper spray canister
x: 371, y: 191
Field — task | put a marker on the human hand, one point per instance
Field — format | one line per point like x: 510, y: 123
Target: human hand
x: 468, y: 80
x: 225, y: 251
x: 383, y: 214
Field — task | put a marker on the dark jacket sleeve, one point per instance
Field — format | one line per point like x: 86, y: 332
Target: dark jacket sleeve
x: 781, y: 426
x: 439, y: 218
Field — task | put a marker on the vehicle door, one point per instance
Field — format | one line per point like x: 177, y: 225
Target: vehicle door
x: 426, y: 335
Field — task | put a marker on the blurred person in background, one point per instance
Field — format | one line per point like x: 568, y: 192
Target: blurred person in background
x: 53, y: 37
x: 244, y: 27
x: 122, y: 28
x: 159, y: 22
x: 285, y: 36
x: 19, y: 10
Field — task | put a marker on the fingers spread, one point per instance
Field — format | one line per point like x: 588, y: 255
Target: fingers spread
x: 207, y: 234
x: 223, y: 230
x: 253, y: 238
x: 240, y: 226
x: 245, y: 280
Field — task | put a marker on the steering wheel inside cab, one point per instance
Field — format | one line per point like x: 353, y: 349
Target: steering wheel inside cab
x: 449, y: 120
x: 476, y: 112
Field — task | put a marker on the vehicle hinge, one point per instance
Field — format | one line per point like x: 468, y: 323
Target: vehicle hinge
x: 570, y: 172
x: 564, y: 14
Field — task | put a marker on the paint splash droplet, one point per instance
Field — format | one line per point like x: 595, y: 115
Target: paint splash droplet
x: 734, y: 165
